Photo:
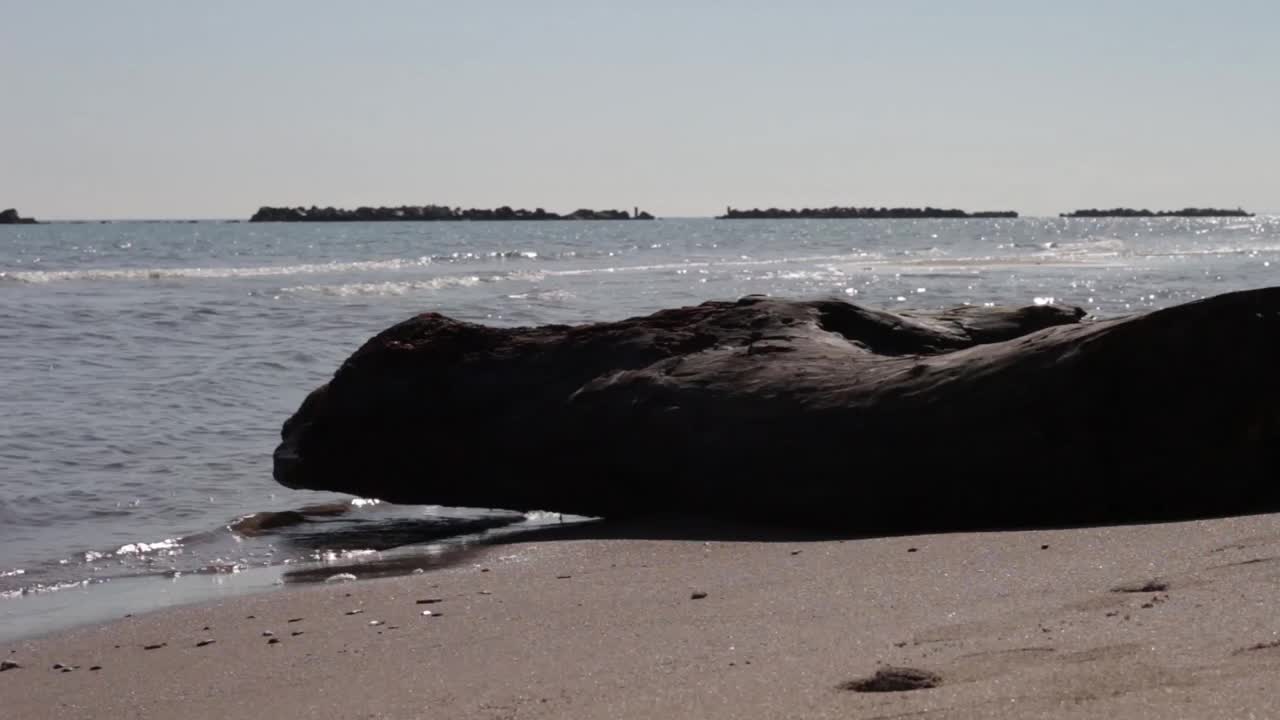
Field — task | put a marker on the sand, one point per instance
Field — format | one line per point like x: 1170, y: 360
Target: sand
x: 1169, y: 620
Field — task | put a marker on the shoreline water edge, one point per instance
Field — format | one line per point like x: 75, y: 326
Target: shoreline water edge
x: 705, y: 621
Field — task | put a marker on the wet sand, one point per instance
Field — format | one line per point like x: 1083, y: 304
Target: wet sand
x: 1170, y: 620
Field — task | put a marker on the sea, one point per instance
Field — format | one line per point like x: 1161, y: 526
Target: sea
x: 146, y: 367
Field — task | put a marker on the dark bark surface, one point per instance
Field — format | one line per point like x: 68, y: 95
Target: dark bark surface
x: 814, y: 412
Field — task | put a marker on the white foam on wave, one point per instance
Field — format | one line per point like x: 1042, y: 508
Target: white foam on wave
x: 540, y: 517
x: 744, y: 261
x: 263, y: 271
x: 544, y: 295
x: 970, y: 265
x: 391, y: 265
x: 1095, y: 246
x: 42, y: 588
x: 214, y: 273
x: 407, y: 287
x: 1218, y: 250
x: 141, y: 548
x: 403, y: 287
x: 1108, y: 247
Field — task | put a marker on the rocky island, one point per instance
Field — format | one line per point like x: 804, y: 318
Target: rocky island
x: 866, y: 213
x: 11, y: 217
x: 432, y: 213
x: 1131, y: 212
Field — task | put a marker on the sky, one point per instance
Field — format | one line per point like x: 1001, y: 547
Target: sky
x: 164, y: 109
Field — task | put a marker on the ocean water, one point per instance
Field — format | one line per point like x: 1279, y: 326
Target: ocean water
x: 146, y: 368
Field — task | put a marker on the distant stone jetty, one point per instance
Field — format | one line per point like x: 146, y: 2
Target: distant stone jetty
x: 1130, y: 212
x: 11, y: 217
x: 432, y: 213
x: 867, y: 213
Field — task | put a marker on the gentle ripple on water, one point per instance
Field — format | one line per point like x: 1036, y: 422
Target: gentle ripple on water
x: 147, y: 367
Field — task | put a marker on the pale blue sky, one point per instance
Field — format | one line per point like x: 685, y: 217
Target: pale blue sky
x: 182, y: 109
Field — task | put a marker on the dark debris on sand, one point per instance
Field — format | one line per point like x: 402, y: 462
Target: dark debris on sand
x: 895, y: 679
x: 1260, y: 646
x: 1150, y: 586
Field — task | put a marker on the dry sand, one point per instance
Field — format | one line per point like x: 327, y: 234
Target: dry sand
x: 1159, y: 621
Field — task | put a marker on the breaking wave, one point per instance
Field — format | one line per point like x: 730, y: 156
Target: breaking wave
x: 261, y: 271
x: 404, y: 287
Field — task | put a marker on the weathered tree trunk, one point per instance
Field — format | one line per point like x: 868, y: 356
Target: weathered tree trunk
x: 816, y: 412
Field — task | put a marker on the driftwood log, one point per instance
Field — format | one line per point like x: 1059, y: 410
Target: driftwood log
x: 815, y: 412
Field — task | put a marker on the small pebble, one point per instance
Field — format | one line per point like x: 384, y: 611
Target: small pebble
x: 911, y: 549
x: 340, y: 577
x: 795, y: 552
x: 267, y: 633
x: 202, y: 643
x: 59, y: 666
x: 427, y: 613
x: 418, y: 571
x: 66, y: 669
x: 157, y: 646
x: 8, y: 665
x: 273, y: 641
x: 250, y: 617
x: 433, y: 601
x: 1044, y: 547
x: 485, y: 592
x: 563, y: 577
x: 295, y: 633
x: 484, y: 569
x: 294, y: 620
x: 95, y: 668
x: 205, y: 628
x: 354, y: 612
x: 375, y: 622
x: 697, y: 595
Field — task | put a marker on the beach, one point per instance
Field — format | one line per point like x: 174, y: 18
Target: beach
x: 687, y: 620
x: 153, y: 366
x: 639, y: 360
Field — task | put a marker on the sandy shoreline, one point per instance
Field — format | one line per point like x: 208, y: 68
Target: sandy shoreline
x: 1013, y: 624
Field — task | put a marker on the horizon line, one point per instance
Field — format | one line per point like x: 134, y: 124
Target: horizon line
x: 245, y: 219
